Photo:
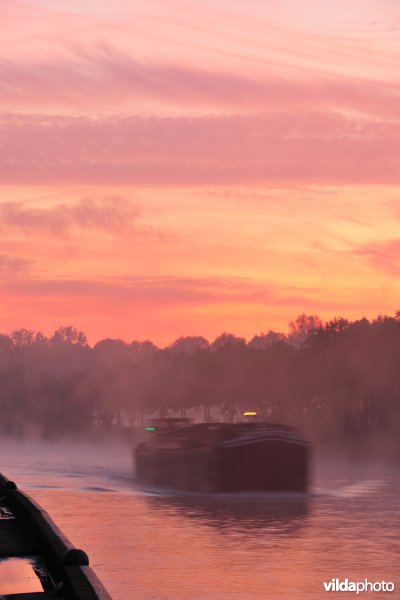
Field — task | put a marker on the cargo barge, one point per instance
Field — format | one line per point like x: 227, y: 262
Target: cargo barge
x: 223, y: 457
x: 37, y: 561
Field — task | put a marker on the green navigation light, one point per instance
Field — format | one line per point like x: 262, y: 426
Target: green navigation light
x: 149, y: 428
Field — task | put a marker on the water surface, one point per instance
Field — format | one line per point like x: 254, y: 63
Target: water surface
x: 159, y: 546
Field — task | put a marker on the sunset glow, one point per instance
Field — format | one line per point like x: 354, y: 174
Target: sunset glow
x: 188, y: 168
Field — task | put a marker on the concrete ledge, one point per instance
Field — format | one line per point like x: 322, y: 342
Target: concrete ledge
x: 81, y: 583
x: 6, y: 484
x: 31, y: 596
x: 38, y: 524
x: 68, y: 566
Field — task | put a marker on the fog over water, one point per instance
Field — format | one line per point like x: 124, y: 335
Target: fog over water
x: 156, y: 545
x: 337, y: 381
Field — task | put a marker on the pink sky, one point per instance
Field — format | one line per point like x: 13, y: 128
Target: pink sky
x: 186, y: 167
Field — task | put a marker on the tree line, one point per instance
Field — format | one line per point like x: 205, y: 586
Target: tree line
x: 339, y: 381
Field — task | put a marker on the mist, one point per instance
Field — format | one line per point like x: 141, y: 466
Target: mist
x: 338, y: 381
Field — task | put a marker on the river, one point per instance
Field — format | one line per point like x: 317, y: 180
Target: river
x: 157, y: 546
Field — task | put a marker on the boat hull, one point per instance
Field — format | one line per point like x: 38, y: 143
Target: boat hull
x: 267, y: 465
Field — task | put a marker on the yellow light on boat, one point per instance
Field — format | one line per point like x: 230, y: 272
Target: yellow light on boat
x: 249, y: 413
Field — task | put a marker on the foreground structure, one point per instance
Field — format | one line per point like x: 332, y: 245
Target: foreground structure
x: 223, y: 457
x: 36, y: 560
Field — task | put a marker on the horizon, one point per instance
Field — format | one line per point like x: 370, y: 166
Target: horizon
x: 303, y: 324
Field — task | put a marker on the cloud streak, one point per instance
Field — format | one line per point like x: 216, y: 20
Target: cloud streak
x: 160, y: 291
x: 13, y: 266
x: 110, y: 214
x: 383, y: 256
x: 319, y: 147
x: 109, y: 78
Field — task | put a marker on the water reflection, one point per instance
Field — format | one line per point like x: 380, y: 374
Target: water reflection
x: 279, y: 514
x: 20, y: 575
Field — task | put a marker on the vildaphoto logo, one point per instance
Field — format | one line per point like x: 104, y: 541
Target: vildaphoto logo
x: 345, y: 585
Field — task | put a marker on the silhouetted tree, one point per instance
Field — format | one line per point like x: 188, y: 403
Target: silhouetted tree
x: 302, y: 327
x: 338, y: 380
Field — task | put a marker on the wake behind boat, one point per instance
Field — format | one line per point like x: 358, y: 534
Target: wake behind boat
x: 223, y: 457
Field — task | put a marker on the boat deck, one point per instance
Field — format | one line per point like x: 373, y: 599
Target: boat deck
x: 36, y: 560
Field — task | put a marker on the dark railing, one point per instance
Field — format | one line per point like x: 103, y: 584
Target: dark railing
x: 68, y: 566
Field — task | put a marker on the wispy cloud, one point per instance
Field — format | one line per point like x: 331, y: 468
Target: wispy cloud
x: 110, y: 214
x: 13, y: 266
x: 320, y: 147
x: 110, y: 78
x: 164, y: 291
x: 383, y: 256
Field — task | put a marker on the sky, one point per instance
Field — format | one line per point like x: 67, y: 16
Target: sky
x: 193, y: 167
